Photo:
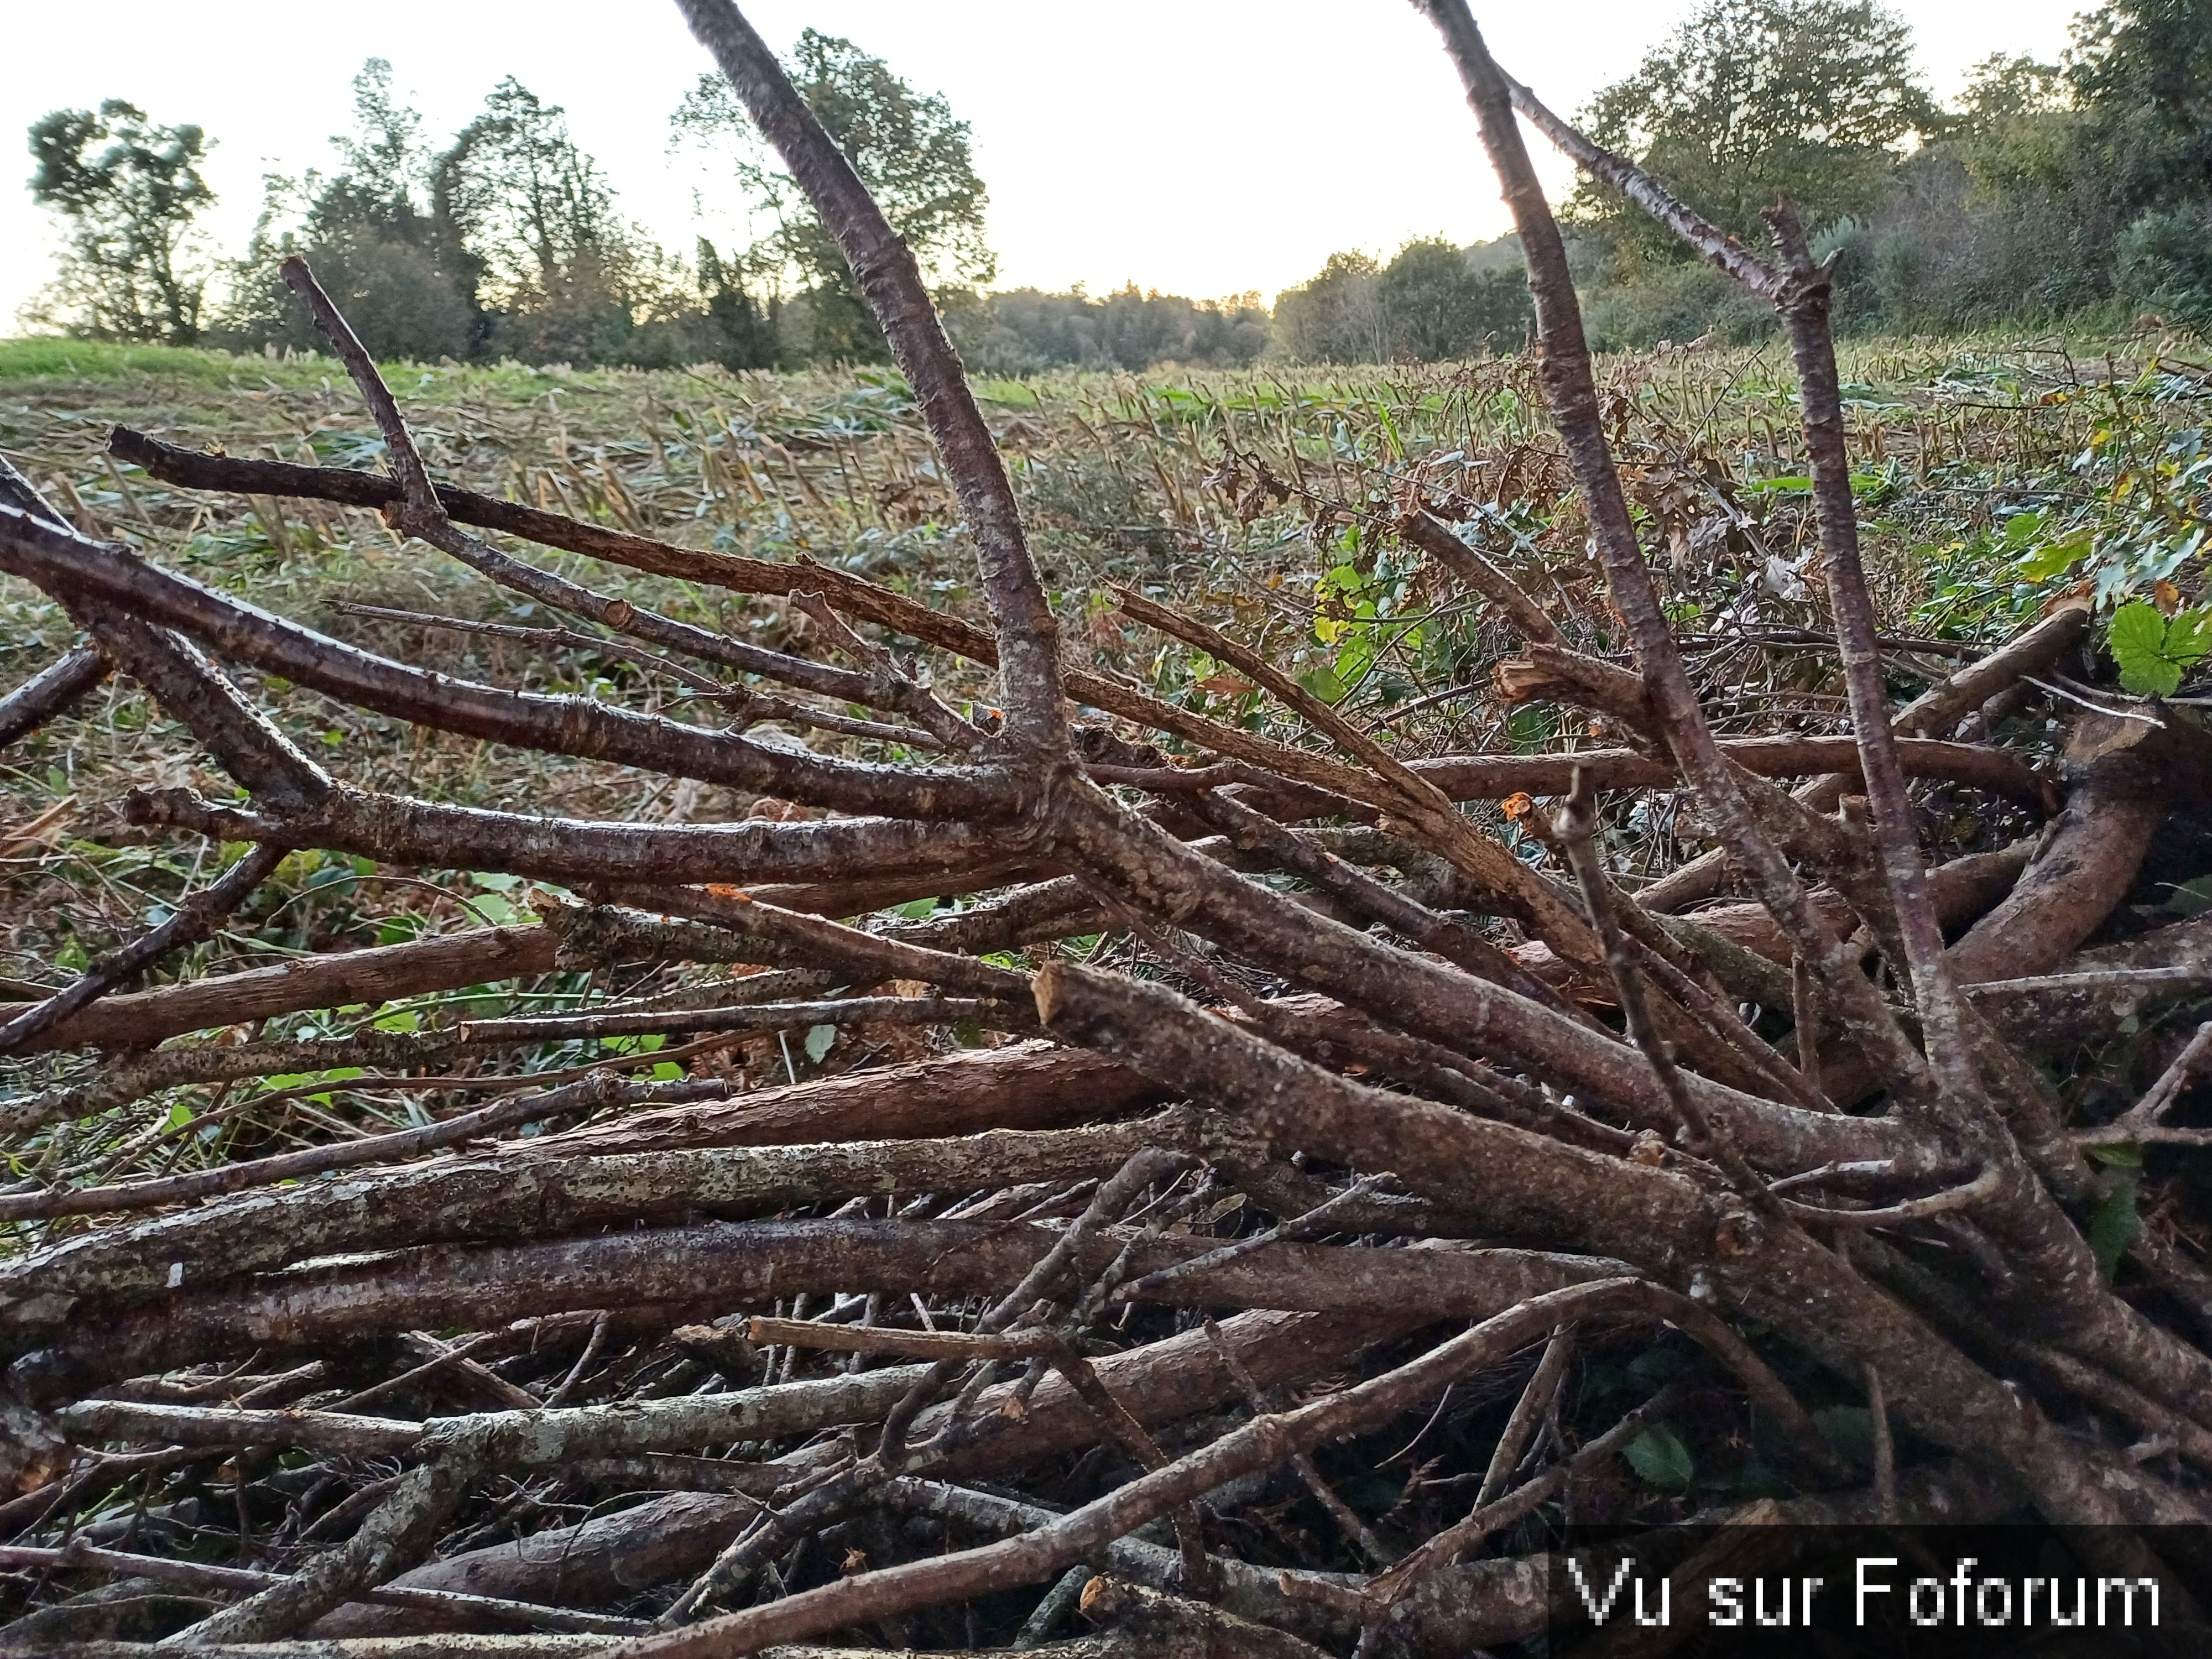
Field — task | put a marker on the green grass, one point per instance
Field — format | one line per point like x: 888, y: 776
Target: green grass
x: 57, y: 362
x: 51, y: 358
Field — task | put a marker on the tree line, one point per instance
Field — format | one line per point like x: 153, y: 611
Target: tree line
x: 509, y: 242
x: 2052, y: 190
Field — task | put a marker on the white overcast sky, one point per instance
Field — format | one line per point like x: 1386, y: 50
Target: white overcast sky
x: 1200, y: 147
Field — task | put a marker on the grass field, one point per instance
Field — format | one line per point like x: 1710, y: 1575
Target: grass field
x: 1990, y: 474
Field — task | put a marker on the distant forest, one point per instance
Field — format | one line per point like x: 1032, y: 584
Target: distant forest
x: 2080, y: 191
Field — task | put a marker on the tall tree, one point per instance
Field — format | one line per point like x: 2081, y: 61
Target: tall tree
x: 520, y: 189
x: 566, y: 270
x: 2145, y: 66
x: 1337, y: 317
x: 908, y: 148
x: 1437, y: 307
x: 1810, y: 98
x: 375, y: 237
x: 129, y: 192
x: 737, y: 332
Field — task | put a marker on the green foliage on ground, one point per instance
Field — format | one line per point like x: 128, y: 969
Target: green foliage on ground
x: 2053, y: 191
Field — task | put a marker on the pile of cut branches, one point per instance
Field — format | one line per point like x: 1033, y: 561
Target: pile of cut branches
x: 1281, y: 1203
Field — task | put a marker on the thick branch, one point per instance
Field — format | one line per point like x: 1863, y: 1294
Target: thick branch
x: 1029, y: 637
x: 66, y: 563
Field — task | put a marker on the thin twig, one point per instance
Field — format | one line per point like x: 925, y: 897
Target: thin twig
x: 197, y: 918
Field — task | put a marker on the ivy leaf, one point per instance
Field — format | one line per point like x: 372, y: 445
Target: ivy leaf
x: 818, y: 1040
x: 2153, y: 653
x: 1659, y: 1456
x: 2191, y: 898
x: 2114, y: 1226
x: 2055, y: 559
x: 2189, y: 637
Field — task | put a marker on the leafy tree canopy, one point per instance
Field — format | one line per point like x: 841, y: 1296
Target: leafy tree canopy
x: 377, y: 236
x: 1337, y: 316
x: 2146, y: 67
x: 129, y: 192
x: 517, y: 187
x: 1438, y: 307
x: 1433, y: 303
x: 1808, y: 98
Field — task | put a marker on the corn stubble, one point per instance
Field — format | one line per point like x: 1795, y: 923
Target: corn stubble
x: 1098, y: 1100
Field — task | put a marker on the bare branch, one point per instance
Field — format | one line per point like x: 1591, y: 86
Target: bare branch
x: 1029, y: 637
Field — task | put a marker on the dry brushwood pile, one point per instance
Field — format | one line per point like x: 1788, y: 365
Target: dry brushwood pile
x: 1281, y: 1166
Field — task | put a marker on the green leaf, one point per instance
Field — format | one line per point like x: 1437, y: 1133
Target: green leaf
x: 1529, y: 727
x: 1848, y: 1430
x: 1390, y: 427
x: 818, y: 1040
x: 919, y: 910
x: 1323, y: 683
x: 667, y: 1070
x: 2137, y: 630
x: 1655, y: 1368
x: 2153, y: 652
x: 1353, y: 661
x: 2189, y: 637
x: 2191, y: 898
x: 1659, y: 1456
x: 494, y: 909
x: 2114, y: 1226
x: 2047, y: 563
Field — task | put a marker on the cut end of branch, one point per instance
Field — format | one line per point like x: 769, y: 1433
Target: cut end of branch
x: 1050, y: 988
